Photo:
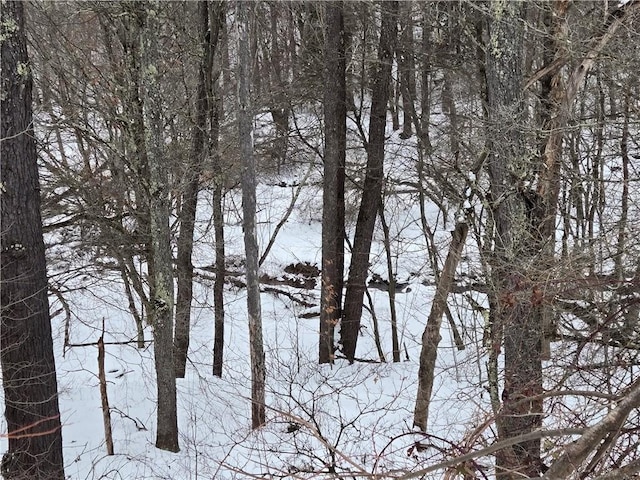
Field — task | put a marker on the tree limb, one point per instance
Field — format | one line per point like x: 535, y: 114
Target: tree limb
x: 577, y: 452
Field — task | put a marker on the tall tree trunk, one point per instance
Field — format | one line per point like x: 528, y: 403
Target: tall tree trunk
x: 220, y: 271
x: 26, y: 347
x: 215, y: 114
x: 335, y: 121
x: 406, y: 67
x: 134, y: 133
x: 187, y: 216
x: 516, y: 245
x: 425, y: 75
x: 128, y: 78
x: 621, y: 244
x: 278, y: 100
x: 551, y: 93
x: 395, y: 341
x: 245, y: 138
x: 162, y: 298
x: 369, y: 204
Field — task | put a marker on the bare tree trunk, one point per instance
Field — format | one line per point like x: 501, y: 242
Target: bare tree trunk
x: 209, y: 33
x: 162, y: 299
x: 335, y: 118
x: 431, y: 335
x: 215, y: 114
x: 395, y: 343
x: 352, y: 313
x: 218, y: 285
x: 394, y: 104
x: 104, y: 397
x: 26, y: 347
x: 621, y: 244
x: 450, y: 110
x: 406, y: 67
x: 516, y: 244
x: 425, y: 76
x: 187, y: 215
x: 245, y: 137
x: 134, y: 132
x: 278, y: 101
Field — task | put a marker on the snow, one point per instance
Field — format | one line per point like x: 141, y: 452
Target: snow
x: 360, y: 414
x: 357, y: 409
x: 355, y: 419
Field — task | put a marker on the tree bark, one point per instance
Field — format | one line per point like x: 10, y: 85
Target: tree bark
x: 431, y: 335
x: 352, y: 313
x: 104, y: 396
x: 333, y: 233
x: 245, y: 137
x: 134, y: 133
x: 395, y: 341
x: 26, y: 347
x: 215, y: 114
x: 187, y: 217
x: 278, y: 100
x: 220, y: 270
x: 425, y: 76
x: 407, y: 68
x: 162, y: 301
x: 577, y: 452
x: 516, y: 244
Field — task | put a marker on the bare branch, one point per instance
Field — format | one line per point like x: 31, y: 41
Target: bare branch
x: 577, y: 452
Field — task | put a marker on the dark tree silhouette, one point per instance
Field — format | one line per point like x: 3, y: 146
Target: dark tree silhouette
x: 372, y: 183
x: 28, y: 367
x: 335, y: 120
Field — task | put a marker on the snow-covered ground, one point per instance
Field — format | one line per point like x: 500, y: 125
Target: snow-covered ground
x: 321, y: 419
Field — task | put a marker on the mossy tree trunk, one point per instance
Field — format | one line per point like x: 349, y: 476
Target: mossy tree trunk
x: 162, y: 301
x: 517, y: 317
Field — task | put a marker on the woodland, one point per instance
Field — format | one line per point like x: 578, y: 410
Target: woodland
x: 320, y: 240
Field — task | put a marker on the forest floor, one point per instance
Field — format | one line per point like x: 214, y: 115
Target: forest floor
x: 340, y: 418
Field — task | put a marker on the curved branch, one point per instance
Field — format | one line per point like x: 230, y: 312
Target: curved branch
x: 536, y: 434
x: 577, y: 452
